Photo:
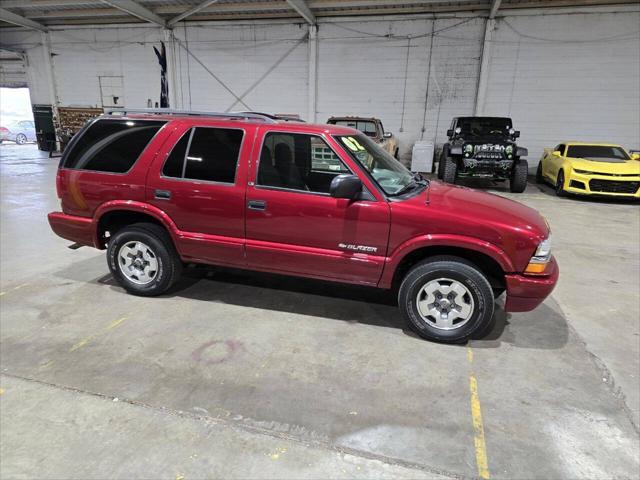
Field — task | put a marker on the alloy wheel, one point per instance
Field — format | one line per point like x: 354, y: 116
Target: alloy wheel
x: 445, y: 304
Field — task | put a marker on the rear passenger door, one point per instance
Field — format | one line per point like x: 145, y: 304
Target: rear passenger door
x: 199, y: 180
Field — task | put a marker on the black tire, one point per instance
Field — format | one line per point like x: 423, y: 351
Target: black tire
x: 560, y: 192
x: 396, y: 154
x: 519, y: 174
x: 539, y: 177
x: 21, y: 139
x: 449, y: 170
x: 443, y: 269
x: 158, y: 241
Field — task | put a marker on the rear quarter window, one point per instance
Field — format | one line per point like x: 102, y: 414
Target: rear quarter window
x: 111, y: 146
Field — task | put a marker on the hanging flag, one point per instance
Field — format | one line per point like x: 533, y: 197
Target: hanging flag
x: 164, y: 83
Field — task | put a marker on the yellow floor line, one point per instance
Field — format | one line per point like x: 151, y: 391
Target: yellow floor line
x: 478, y: 426
x: 86, y: 340
x: 13, y: 289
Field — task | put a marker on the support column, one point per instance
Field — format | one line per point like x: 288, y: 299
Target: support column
x: 48, y: 70
x: 313, y: 73
x: 485, y: 61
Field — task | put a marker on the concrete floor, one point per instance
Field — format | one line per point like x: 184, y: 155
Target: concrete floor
x: 250, y: 375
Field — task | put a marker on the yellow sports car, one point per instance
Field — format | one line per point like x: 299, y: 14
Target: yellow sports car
x: 590, y: 169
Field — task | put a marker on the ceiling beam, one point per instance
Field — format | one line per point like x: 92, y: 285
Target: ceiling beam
x: 303, y: 10
x: 495, y: 5
x: 190, y: 12
x: 9, y: 17
x: 137, y: 10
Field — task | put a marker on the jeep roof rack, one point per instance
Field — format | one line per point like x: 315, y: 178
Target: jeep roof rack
x: 169, y: 111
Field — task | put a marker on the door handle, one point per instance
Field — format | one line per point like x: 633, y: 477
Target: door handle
x: 257, y: 205
x: 162, y: 194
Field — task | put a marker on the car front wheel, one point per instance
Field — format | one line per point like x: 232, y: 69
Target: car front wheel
x: 449, y: 170
x: 560, y: 184
x: 519, y: 174
x: 21, y: 139
x: 446, y: 299
x: 142, y: 259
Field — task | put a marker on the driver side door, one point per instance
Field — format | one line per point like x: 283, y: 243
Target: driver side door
x: 294, y: 226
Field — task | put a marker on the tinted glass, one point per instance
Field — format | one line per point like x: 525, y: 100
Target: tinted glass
x: 213, y: 154
x: 173, y: 165
x: 298, y: 162
x: 484, y: 125
x: 366, y: 127
x: 112, y: 145
x: 597, y: 152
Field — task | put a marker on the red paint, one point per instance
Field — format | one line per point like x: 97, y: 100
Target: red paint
x: 299, y: 233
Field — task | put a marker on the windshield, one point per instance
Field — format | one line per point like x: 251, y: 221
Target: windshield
x: 484, y: 126
x: 366, y: 127
x: 598, y: 153
x: 390, y: 174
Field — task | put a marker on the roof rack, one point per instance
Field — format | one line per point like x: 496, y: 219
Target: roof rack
x: 168, y: 111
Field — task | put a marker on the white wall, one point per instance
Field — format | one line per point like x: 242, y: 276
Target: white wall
x: 567, y: 77
x: 560, y: 76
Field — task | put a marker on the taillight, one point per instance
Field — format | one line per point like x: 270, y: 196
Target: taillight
x: 59, y: 184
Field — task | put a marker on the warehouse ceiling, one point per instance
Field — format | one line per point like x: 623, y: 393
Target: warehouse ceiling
x: 38, y: 14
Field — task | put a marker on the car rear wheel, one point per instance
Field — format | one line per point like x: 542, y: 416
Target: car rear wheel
x: 396, y: 154
x: 21, y: 139
x: 446, y: 299
x: 519, y: 174
x: 560, y: 192
x: 143, y: 260
x: 449, y: 170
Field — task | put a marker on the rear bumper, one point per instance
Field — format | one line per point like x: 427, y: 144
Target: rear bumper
x: 71, y: 227
x: 524, y: 292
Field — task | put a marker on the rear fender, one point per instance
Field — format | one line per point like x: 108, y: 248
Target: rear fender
x: 139, y: 207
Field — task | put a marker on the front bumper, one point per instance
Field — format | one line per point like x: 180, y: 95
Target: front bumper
x: 526, y: 292
x: 610, y: 185
x: 80, y: 230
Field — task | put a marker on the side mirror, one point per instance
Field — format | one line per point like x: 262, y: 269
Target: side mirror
x: 345, y: 186
x: 555, y: 153
x: 387, y: 135
x: 635, y: 156
x: 449, y: 133
x: 516, y: 134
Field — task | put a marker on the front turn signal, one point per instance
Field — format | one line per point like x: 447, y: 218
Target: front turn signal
x: 538, y: 263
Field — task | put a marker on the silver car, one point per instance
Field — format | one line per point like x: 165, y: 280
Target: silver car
x: 20, y: 131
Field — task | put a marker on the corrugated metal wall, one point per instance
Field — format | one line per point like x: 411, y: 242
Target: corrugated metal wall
x: 559, y: 75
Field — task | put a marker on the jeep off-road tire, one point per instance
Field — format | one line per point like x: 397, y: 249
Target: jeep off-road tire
x: 539, y: 176
x: 560, y: 191
x: 443, y: 155
x: 142, y: 258
x: 449, y: 170
x: 447, y: 299
x: 519, y: 174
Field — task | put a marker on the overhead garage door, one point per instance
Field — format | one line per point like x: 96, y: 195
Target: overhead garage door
x: 12, y: 70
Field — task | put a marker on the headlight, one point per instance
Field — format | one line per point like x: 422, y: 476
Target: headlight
x: 538, y: 263
x: 583, y: 172
x: 508, y: 150
x: 468, y: 148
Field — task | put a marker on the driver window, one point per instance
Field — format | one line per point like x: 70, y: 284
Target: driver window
x: 296, y: 161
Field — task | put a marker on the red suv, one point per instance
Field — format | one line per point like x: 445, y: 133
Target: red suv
x: 160, y: 189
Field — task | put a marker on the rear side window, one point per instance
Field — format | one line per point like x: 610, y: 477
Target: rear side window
x: 112, y: 145
x: 205, y: 153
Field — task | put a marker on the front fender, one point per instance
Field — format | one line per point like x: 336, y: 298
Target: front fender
x: 442, y: 240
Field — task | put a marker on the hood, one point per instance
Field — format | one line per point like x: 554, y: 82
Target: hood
x: 612, y: 165
x: 488, y: 209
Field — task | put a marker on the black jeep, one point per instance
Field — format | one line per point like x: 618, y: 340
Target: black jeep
x: 484, y: 147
